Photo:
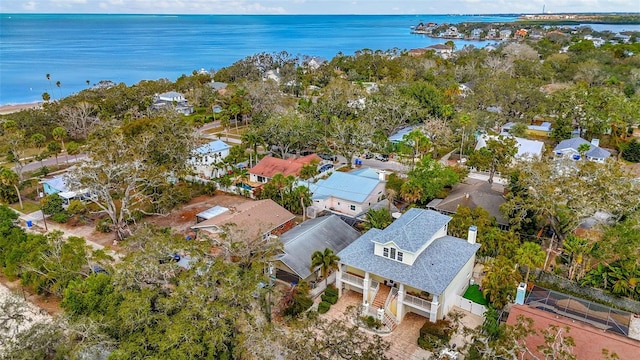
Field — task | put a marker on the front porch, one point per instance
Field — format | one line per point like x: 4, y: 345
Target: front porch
x: 389, y: 301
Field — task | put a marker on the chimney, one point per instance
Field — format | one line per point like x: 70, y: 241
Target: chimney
x: 382, y: 175
x: 473, y: 233
x: 520, y: 293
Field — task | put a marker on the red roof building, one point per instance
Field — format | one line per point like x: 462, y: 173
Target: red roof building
x: 589, y: 340
x: 269, y: 166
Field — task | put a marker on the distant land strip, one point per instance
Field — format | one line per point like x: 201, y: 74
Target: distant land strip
x: 575, y: 19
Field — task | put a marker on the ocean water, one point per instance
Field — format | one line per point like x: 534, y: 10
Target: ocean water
x: 130, y: 48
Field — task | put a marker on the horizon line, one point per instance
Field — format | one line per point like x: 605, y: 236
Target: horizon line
x: 321, y: 14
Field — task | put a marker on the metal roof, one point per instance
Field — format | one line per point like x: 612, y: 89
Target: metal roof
x: 212, y: 147
x: 346, y: 186
x: 314, y: 235
x: 211, y: 212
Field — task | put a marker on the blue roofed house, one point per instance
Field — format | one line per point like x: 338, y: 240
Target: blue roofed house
x: 348, y: 193
x: 59, y: 185
x: 206, y: 158
x: 410, y: 266
x: 569, y: 148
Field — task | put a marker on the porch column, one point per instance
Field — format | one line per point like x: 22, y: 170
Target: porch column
x: 400, y: 303
x: 365, y: 288
x: 339, y: 279
x: 433, y: 315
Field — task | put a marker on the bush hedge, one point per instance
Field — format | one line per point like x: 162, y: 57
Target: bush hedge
x: 434, y: 335
x: 330, y: 299
x: 331, y: 290
x: 61, y: 217
x: 323, y: 307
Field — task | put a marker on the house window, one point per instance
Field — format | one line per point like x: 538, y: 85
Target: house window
x: 385, y: 252
x: 399, y: 257
x: 261, y: 179
x: 393, y: 253
x: 352, y: 207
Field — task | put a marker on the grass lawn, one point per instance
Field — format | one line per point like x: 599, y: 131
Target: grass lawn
x: 29, y: 207
x: 474, y: 294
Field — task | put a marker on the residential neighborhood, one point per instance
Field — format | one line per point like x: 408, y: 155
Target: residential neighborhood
x: 428, y: 203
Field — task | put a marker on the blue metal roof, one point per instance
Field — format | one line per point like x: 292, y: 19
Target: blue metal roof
x: 345, y: 186
x: 212, y: 147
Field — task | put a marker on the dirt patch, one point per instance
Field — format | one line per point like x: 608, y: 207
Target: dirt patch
x: 49, y: 303
x: 181, y: 220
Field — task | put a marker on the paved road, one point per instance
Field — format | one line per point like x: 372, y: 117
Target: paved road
x: 62, y: 159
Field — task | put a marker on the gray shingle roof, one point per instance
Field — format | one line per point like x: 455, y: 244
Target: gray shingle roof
x: 574, y: 143
x: 597, y: 153
x: 412, y: 229
x: 314, y: 235
x: 432, y: 271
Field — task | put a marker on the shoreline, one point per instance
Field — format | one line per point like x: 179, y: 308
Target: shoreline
x: 13, y: 108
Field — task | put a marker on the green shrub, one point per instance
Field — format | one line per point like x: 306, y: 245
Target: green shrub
x: 52, y: 204
x: 430, y: 342
x: 371, y: 322
x: 330, y: 299
x: 331, y: 290
x: 323, y: 307
x: 104, y: 225
x: 61, y: 217
x: 440, y: 329
x: 209, y: 188
x: 76, y: 207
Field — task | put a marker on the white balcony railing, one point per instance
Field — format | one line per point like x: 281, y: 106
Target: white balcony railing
x: 353, y: 280
x: 417, y: 302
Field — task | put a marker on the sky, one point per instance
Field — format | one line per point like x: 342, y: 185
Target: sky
x: 316, y: 6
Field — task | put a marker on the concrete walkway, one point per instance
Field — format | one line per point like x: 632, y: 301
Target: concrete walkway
x: 39, y: 228
x: 404, y: 339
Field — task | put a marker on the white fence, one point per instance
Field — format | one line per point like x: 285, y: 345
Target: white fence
x: 470, y: 306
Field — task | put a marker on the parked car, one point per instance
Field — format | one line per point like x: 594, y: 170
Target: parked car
x: 368, y: 155
x: 325, y: 167
x: 328, y: 157
x: 382, y: 157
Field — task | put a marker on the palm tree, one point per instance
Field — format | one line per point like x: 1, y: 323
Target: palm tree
x: 8, y: 177
x: 500, y: 281
x: 46, y: 97
x: 58, y: 83
x: 54, y: 148
x: 252, y: 139
x: 465, y: 120
x: 530, y: 255
x: 411, y: 192
x: 326, y: 260
x: 59, y: 133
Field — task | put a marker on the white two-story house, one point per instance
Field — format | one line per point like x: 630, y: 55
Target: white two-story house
x: 411, y: 266
x: 207, y: 158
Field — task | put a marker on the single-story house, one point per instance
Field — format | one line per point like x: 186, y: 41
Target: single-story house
x: 527, y: 149
x: 206, y: 157
x: 348, y: 193
x: 172, y: 100
x: 269, y: 166
x: 59, y: 185
x: 396, y: 137
x: 303, y: 240
x: 442, y: 50
x: 410, y: 266
x: 261, y: 218
x: 569, y: 148
x: 542, y: 130
x: 473, y: 193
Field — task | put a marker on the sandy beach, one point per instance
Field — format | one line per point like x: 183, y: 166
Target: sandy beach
x: 8, y: 109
